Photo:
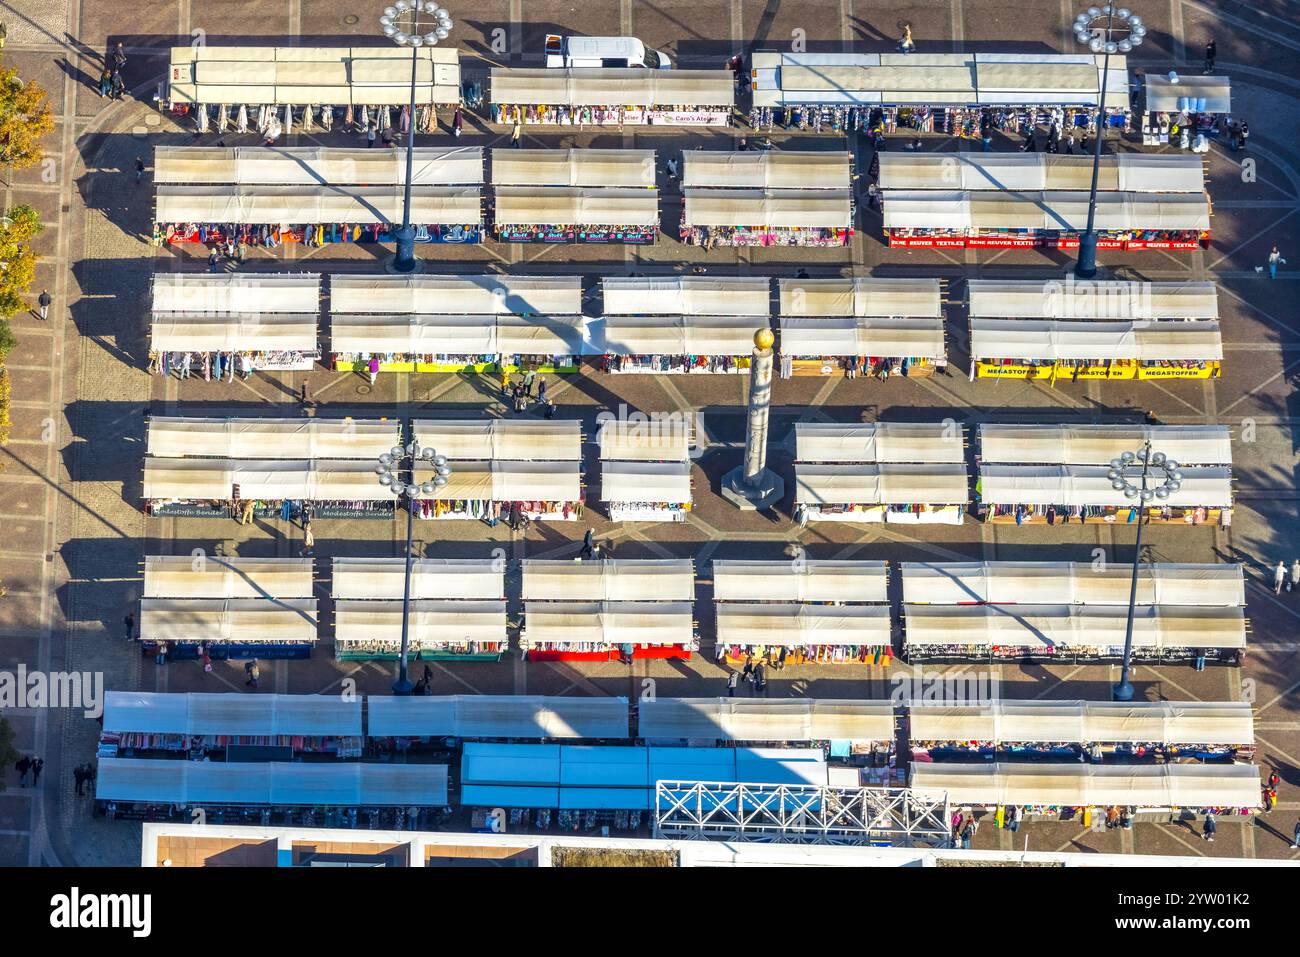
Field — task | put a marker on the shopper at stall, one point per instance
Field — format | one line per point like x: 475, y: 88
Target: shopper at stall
x: 254, y: 672
x: 906, y: 44
x: 517, y: 133
x: 371, y: 132
x: 1210, y: 827
x: 372, y: 369
x: 733, y: 680
x: 1013, y: 819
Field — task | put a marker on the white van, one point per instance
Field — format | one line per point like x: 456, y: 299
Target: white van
x: 619, y: 52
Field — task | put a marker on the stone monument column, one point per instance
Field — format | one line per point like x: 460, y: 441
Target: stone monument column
x: 753, y: 485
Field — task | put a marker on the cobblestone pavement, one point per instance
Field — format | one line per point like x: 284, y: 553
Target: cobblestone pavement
x: 71, y: 482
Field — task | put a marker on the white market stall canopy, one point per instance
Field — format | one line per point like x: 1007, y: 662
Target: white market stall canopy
x: 216, y: 576
x: 319, y: 480
x: 456, y: 295
x: 229, y: 621
x: 805, y: 580
x: 565, y: 205
x: 261, y: 715
x: 935, y: 79
x: 957, y: 209
x: 813, y: 336
x: 1082, y: 485
x: 645, y: 481
x: 880, y: 442
x: 574, y: 167
x: 1071, y: 300
x: 623, y: 579
x: 778, y: 208
x: 431, y: 578
x: 498, y: 716
x: 606, y: 777
x: 609, y: 623
x: 316, y: 166
x: 1099, y: 444
x: 237, y: 294
x: 273, y: 783
x: 652, y: 440
x: 312, y: 205
x: 1143, y: 341
x: 686, y: 296
x: 595, y: 86
x: 431, y: 623
x: 881, y: 484
x: 570, y: 335
x: 522, y: 440
x: 1189, y: 94
x: 862, y: 296
x: 1081, y: 785
x: 499, y: 481
x: 1087, y: 722
x: 303, y: 76
x: 682, y: 335
x: 230, y: 438
x: 282, y: 332
x: 1071, y: 583
x: 802, y: 625
x: 760, y: 719
x: 1005, y: 172
x: 1066, y: 627
x: 788, y: 169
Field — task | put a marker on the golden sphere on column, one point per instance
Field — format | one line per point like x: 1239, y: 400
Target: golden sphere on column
x: 763, y: 339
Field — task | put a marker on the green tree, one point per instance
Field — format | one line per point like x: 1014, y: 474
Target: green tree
x: 8, y: 753
x: 17, y: 264
x: 25, y: 119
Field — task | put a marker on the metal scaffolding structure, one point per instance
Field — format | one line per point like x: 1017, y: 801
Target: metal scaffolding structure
x: 800, y: 814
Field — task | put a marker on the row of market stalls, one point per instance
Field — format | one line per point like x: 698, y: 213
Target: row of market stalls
x: 608, y: 611
x: 967, y: 611
x: 645, y: 469
x: 807, y: 612
x: 1067, y: 331
x: 1144, y: 201
x: 1036, y: 474
x: 933, y: 92
x: 882, y: 472
x: 313, y: 195
x: 234, y: 324
x: 767, y: 199
x: 214, y: 327
x: 230, y: 751
x: 1201, y: 105
x: 597, y: 96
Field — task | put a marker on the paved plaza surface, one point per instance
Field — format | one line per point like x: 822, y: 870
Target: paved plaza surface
x: 72, y: 533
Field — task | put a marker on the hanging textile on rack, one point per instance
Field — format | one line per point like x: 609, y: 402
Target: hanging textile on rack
x: 288, y: 118
x: 404, y: 120
x: 363, y: 121
x: 327, y: 118
x: 241, y: 123
x: 306, y: 120
x: 223, y: 118
x: 202, y: 118
x: 348, y: 116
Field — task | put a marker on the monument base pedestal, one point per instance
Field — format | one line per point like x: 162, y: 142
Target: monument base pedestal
x: 769, y: 490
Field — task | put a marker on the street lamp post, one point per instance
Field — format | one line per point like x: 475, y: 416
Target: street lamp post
x: 1144, y: 468
x: 1101, y: 39
x: 401, y: 23
x: 396, y: 471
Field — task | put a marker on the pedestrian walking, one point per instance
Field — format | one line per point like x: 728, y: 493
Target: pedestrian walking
x: 1211, y: 54
x: 246, y: 516
x: 1295, y: 835
x: 906, y: 44
x: 118, y: 85
x: 1274, y: 780
x: 1274, y: 258
x: 873, y: 196
x: 254, y: 672
x: 79, y: 775
x: 1210, y: 827
x: 119, y: 56
x: 4, y: 34
x: 1013, y: 819
x: 43, y: 301
x: 22, y: 766
x: 541, y: 389
x: 457, y: 122
x: 129, y: 624
x: 308, y: 540
x: 372, y: 369
x: 206, y: 658
x: 1270, y: 800
x: 214, y: 259
x: 549, y: 413
x: 371, y: 132
x: 517, y: 133
x: 748, y: 671
x: 529, y: 376
x: 587, y: 544
x: 105, y: 82
x: 139, y: 169
x: 733, y: 680
x: 1279, y: 578
x: 37, y: 767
